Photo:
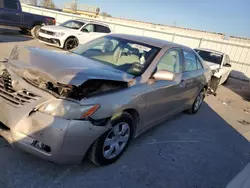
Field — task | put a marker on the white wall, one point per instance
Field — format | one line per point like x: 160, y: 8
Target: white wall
x: 238, y: 51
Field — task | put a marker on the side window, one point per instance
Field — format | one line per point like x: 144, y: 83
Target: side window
x: 100, y: 29
x: 107, y: 30
x: 88, y: 28
x: 199, y: 64
x: 9, y: 4
x: 190, y: 61
x: 170, y: 62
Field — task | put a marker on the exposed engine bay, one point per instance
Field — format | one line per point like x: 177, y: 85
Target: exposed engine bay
x: 87, y: 89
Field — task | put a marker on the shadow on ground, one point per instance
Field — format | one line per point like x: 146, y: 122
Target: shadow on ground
x: 7, y: 35
x: 200, y: 151
x: 240, y: 87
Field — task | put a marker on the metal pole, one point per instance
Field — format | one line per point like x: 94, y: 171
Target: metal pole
x: 75, y: 5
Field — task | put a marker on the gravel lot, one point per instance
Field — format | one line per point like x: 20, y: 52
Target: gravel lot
x: 202, y: 151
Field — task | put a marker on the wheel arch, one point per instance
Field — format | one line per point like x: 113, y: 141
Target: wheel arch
x: 37, y: 23
x: 136, y: 117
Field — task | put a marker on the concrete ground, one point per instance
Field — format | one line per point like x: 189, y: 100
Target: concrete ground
x: 205, y: 150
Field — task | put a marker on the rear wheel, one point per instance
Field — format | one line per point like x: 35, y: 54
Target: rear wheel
x: 112, y: 144
x: 35, y: 31
x: 70, y: 43
x: 24, y: 31
x: 197, y: 103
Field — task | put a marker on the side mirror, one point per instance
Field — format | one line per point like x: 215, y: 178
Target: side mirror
x: 85, y: 31
x: 164, y: 75
x: 227, y: 65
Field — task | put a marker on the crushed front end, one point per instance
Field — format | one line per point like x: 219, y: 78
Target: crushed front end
x: 51, y: 136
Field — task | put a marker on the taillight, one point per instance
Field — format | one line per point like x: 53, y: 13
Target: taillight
x: 50, y: 21
x: 54, y: 21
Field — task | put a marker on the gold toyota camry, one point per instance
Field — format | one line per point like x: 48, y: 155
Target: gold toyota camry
x: 95, y: 99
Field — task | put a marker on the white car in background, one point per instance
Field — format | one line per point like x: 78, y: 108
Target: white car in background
x: 70, y: 34
x: 219, y: 64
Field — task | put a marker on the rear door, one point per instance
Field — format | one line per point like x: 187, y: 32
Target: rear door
x: 192, y: 77
x: 92, y: 31
x: 11, y: 13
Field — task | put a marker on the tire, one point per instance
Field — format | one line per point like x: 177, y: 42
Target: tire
x: 224, y: 83
x: 198, y: 102
x: 24, y: 31
x: 102, y: 155
x: 70, y: 43
x: 35, y: 30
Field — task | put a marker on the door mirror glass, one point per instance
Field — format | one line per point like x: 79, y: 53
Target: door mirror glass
x: 164, y: 75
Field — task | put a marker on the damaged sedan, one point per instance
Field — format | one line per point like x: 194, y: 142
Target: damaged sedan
x: 93, y: 100
x: 220, y: 65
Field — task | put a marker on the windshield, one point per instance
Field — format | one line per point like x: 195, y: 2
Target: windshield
x: 73, y: 24
x: 124, y: 55
x: 210, y: 56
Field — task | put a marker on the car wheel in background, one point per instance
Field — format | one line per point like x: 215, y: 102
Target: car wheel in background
x: 24, y: 31
x: 70, y: 43
x: 35, y: 31
x: 112, y: 144
x: 224, y: 83
x: 198, y: 102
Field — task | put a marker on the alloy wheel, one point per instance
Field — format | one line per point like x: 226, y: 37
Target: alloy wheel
x: 71, y: 43
x: 198, y: 101
x: 116, y: 140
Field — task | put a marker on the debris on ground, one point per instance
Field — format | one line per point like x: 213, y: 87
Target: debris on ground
x: 244, y: 122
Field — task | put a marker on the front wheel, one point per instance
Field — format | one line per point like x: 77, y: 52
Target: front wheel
x: 35, y: 31
x: 70, y: 43
x: 197, y: 103
x: 112, y: 144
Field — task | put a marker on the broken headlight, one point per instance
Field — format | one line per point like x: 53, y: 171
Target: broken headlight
x: 67, y: 109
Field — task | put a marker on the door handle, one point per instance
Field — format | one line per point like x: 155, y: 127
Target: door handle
x: 17, y: 14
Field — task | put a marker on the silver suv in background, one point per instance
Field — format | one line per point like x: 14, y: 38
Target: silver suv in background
x: 96, y: 98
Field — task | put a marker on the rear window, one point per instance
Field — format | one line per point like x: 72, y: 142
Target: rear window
x: 101, y: 29
x: 9, y: 4
x: 210, y: 56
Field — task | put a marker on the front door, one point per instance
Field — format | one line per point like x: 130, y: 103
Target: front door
x: 91, y: 32
x: 164, y: 98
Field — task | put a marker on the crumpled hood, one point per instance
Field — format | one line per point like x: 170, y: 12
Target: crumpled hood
x: 212, y: 66
x: 57, y: 28
x: 62, y: 67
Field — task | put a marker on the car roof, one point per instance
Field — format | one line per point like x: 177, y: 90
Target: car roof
x: 148, y: 40
x: 209, y: 50
x: 90, y: 21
